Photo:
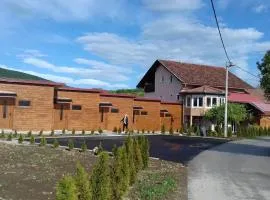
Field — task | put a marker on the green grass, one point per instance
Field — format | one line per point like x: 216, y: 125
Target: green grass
x: 6, y: 73
x: 156, y: 186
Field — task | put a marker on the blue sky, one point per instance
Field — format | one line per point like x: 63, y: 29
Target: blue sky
x: 111, y: 43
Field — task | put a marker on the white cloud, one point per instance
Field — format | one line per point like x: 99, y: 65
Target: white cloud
x: 57, y: 39
x: 223, y: 4
x: 260, y: 8
x: 97, y: 69
x: 64, y: 10
x: 30, y: 53
x: 70, y: 81
x: 173, y: 5
x: 178, y: 38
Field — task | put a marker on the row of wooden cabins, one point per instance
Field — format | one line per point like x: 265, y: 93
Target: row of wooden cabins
x: 45, y: 105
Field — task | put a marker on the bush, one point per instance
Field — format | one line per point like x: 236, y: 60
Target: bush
x: 29, y: 133
x: 52, y: 133
x: 43, y: 141
x: 82, y: 183
x: 143, y: 131
x: 70, y: 144
x: 15, y: 134
x: 32, y: 140
x: 119, y: 130
x: 163, y: 129
x: 100, y: 178
x: 2, y: 134
x: 64, y: 131
x: 40, y: 132
x: 137, y: 155
x: 138, y: 131
x: 230, y: 132
x: 20, y: 139
x: 144, y: 146
x: 83, y: 132
x: 66, y: 189
x: 83, y: 147
x: 131, y: 131
x: 153, y: 131
x: 100, y: 130
x: 115, y: 129
x: 55, y: 143
x: 92, y: 132
x: 131, y: 160
x: 125, y: 170
x: 73, y: 132
x: 9, y: 138
x: 148, y: 132
x: 171, y: 131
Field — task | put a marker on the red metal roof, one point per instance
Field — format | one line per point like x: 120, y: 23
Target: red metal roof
x: 202, y: 90
x: 74, y: 89
x: 30, y: 82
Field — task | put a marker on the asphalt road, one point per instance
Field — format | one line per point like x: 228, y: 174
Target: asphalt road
x: 171, y: 148
x: 237, y: 170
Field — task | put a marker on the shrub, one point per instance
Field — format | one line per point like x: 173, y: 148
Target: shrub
x: 55, y: 143
x: 73, y: 132
x: 100, y: 130
x: 171, y: 131
x: 29, y: 133
x: 230, y: 132
x: 32, y: 140
x: 2, y: 134
x: 163, y: 129
x: 83, y: 147
x: 153, y: 131
x: 66, y: 189
x: 131, y: 160
x: 20, y: 139
x: 143, y: 131
x: 43, y: 141
x: 148, y: 132
x: 119, y: 130
x: 100, y: 178
x: 131, y: 131
x: 137, y: 155
x: 115, y: 129
x: 70, y: 144
x: 83, y: 132
x: 138, y: 131
x: 144, y: 146
x: 9, y: 138
x: 82, y: 183
x: 52, y: 133
x: 15, y: 134
x: 64, y: 131
x: 125, y: 170
x: 92, y: 132
x: 40, y: 132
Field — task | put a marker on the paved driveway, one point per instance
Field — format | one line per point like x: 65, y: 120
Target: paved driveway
x: 237, y: 170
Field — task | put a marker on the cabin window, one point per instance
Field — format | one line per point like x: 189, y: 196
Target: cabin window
x: 24, y: 103
x: 195, y: 102
x: 168, y: 115
x: 144, y: 113
x: 200, y: 102
x: 214, y: 101
x: 114, y: 110
x: 5, y: 110
x: 76, y: 107
x: 208, y: 101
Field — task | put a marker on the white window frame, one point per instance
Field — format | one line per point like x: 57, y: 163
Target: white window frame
x: 198, y: 97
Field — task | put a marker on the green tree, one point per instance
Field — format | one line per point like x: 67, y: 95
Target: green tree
x: 236, y: 113
x: 131, y: 161
x: 55, y: 143
x: 70, y: 144
x: 100, y: 178
x: 125, y: 171
x: 82, y: 183
x: 32, y: 140
x: 20, y: 139
x: 66, y: 189
x: 264, y: 68
x: 43, y: 141
x: 137, y: 155
x: 84, y: 146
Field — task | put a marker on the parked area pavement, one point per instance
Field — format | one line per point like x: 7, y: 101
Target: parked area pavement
x: 238, y: 170
x: 179, y: 149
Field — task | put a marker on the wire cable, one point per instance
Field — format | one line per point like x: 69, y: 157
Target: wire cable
x: 214, y: 10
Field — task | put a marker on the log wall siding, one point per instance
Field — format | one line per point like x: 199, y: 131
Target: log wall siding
x: 39, y: 114
x: 176, y: 112
x: 112, y: 120
x: 87, y: 117
x: 265, y: 121
x: 151, y: 121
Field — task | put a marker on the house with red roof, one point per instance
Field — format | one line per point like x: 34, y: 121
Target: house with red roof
x: 199, y: 88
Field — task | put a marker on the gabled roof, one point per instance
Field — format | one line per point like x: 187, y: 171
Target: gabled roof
x: 30, y: 82
x: 202, y: 90
x: 195, y: 74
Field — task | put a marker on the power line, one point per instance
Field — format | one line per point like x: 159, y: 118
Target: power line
x: 214, y: 10
x: 256, y: 76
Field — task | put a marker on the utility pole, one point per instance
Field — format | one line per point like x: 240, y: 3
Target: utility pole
x: 226, y: 100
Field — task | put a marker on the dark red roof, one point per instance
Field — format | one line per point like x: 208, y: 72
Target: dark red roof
x: 202, y: 90
x: 74, y: 89
x: 117, y: 95
x: 147, y: 99
x: 196, y: 74
x: 30, y: 82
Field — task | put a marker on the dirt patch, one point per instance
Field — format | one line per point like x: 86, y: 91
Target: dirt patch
x: 31, y: 172
x: 156, y: 178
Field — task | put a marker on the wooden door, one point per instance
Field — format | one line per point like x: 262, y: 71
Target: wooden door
x: 6, y: 112
x: 61, y: 116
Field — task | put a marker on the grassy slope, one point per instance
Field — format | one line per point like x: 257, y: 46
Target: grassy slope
x: 6, y: 73
x: 137, y: 92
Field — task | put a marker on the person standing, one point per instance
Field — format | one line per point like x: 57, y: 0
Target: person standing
x: 125, y: 122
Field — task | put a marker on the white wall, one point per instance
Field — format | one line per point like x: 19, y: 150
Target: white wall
x: 164, y: 88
